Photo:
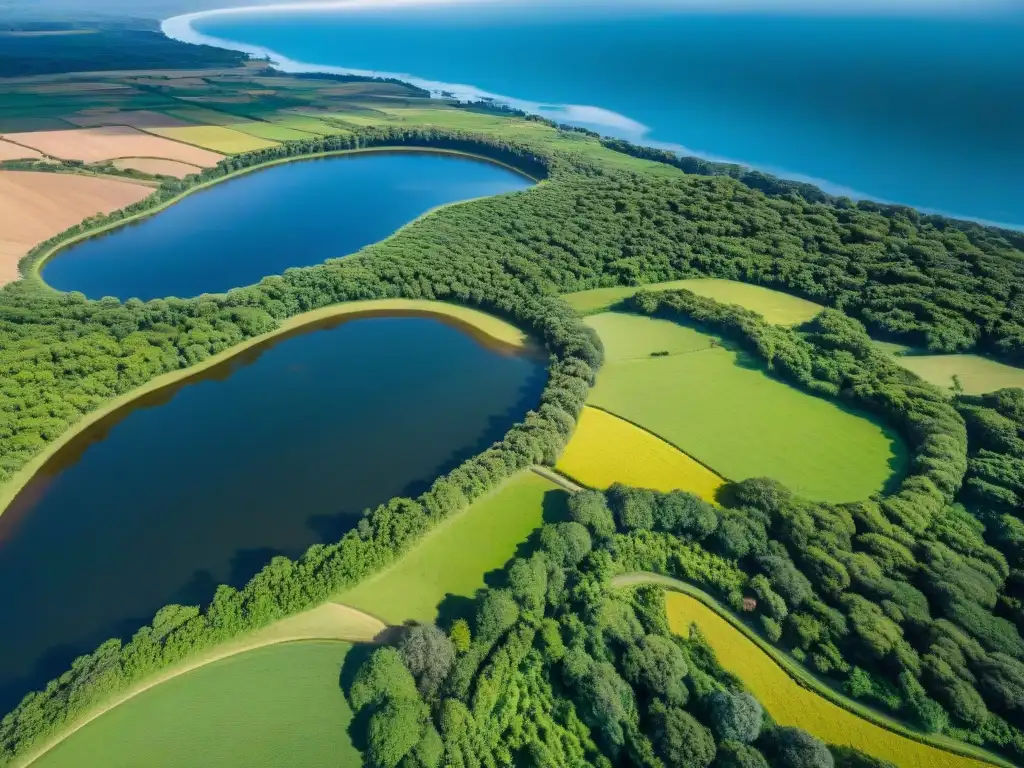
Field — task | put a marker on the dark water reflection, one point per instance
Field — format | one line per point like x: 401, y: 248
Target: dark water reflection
x: 201, y: 483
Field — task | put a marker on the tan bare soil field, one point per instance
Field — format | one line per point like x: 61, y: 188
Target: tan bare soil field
x: 153, y: 165
x: 136, y: 118
x: 91, y: 145
x: 10, y: 151
x: 36, y: 206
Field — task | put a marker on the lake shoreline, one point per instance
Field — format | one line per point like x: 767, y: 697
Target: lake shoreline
x: 482, y: 327
x: 31, y: 265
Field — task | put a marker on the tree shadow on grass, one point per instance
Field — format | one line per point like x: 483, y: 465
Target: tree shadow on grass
x: 354, y: 659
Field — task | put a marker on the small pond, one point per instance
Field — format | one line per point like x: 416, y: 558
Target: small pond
x: 202, y: 482
x: 291, y: 215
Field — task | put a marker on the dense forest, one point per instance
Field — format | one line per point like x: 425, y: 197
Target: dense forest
x: 897, y: 597
x: 44, y: 48
x: 556, y: 667
x: 902, y: 599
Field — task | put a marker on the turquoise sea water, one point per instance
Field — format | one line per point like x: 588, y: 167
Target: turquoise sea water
x: 921, y: 110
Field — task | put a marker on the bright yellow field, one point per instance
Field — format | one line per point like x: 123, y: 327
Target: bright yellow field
x: 215, y: 137
x: 607, y: 449
x: 790, y: 704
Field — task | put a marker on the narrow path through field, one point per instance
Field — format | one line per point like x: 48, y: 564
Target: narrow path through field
x: 793, y: 696
x: 329, y: 621
x: 560, y: 480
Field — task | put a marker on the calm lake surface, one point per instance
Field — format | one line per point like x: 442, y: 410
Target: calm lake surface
x: 203, y: 482
x: 292, y: 215
x: 904, y: 105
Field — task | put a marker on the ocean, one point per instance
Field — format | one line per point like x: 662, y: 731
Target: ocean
x: 924, y: 108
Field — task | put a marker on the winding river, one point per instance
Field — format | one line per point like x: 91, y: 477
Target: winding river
x: 292, y: 215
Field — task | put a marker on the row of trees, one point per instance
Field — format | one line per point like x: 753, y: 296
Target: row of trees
x: 62, y: 356
x: 553, y: 667
x: 898, y: 596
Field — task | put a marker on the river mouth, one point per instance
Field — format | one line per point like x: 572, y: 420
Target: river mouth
x: 295, y: 214
x: 202, y: 482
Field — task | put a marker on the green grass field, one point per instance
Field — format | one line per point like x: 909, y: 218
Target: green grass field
x: 275, y: 706
x: 775, y: 306
x: 307, y: 124
x: 270, y: 131
x: 977, y: 375
x: 454, y: 558
x: 729, y: 414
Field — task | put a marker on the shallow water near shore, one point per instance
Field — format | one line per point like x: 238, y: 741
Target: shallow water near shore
x: 292, y: 215
x: 916, y: 107
x: 202, y: 482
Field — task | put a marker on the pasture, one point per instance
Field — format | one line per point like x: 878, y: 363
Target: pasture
x: 215, y: 138
x: 455, y: 556
x: 774, y: 306
x: 273, y: 706
x: 977, y: 375
x: 791, y: 704
x: 729, y: 414
x: 606, y: 449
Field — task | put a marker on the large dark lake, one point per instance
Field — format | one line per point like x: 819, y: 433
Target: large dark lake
x: 292, y: 215
x: 201, y: 483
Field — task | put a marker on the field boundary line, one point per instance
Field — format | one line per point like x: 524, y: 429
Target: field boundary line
x: 261, y: 638
x: 654, y: 434
x: 803, y: 677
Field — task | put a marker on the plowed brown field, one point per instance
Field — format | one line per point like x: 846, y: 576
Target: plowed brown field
x: 91, y: 145
x: 36, y: 206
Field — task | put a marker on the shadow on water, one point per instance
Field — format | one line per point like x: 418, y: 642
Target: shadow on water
x: 50, y: 641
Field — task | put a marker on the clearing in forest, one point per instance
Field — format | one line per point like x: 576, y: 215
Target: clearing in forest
x: 791, y: 704
x: 774, y: 306
x: 977, y: 375
x: 722, y: 408
x: 36, y: 206
x: 273, y: 706
x: 93, y: 145
x: 454, y: 557
x: 606, y: 449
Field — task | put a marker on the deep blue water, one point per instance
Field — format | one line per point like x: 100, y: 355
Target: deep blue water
x: 202, y: 483
x: 925, y: 111
x: 292, y: 215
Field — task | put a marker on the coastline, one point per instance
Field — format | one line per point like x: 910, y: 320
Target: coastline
x: 474, y: 322
x: 607, y: 121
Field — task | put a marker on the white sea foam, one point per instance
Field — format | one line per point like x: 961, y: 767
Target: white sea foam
x: 596, y: 118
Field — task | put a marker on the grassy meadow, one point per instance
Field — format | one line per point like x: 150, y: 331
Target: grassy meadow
x: 274, y: 706
x: 215, y: 138
x: 711, y: 403
x: 606, y: 449
x: 977, y: 375
x: 793, y: 705
x: 774, y: 306
x: 453, y: 559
